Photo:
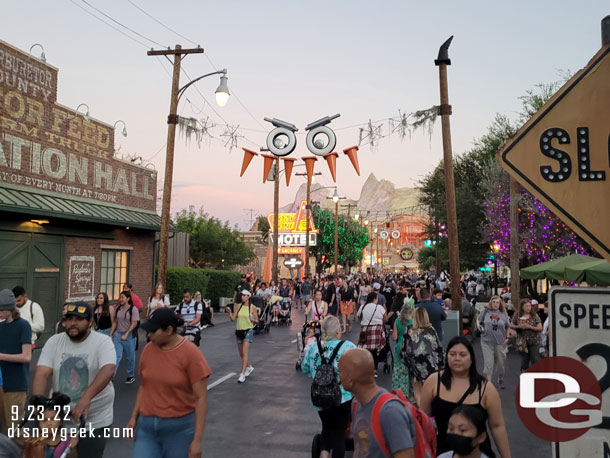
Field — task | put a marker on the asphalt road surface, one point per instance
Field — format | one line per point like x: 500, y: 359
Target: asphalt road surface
x: 270, y: 415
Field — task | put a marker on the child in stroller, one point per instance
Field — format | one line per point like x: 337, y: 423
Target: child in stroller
x: 305, y: 338
x: 281, y: 309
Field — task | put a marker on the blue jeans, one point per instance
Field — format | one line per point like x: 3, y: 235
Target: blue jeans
x: 105, y: 331
x: 164, y: 437
x: 128, y: 347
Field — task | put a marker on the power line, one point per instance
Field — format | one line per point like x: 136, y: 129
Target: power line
x: 122, y: 25
x: 162, y: 24
x: 146, y: 46
x: 207, y: 57
x: 108, y: 24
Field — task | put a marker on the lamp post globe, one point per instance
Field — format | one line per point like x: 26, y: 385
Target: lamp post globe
x: 222, y: 92
x: 336, y: 196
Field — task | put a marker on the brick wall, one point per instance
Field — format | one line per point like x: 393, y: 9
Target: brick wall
x: 140, y: 259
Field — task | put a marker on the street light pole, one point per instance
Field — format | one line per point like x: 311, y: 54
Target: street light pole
x: 308, y: 216
x: 452, y: 232
x: 276, y: 211
x: 337, y: 237
x: 172, y: 120
x: 495, y: 274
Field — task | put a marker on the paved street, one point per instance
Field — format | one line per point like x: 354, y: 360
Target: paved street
x: 270, y: 415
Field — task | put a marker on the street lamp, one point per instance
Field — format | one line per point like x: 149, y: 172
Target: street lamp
x: 124, y: 131
x: 222, y: 95
x: 76, y: 113
x: 43, y: 58
x: 336, y: 200
x: 335, y: 196
x: 308, y: 216
x: 222, y: 92
x: 496, y: 249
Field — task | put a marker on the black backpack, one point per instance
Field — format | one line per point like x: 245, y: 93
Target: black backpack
x: 325, y: 389
x: 202, y: 320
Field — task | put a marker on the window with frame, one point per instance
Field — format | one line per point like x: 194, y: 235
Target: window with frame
x: 115, y: 272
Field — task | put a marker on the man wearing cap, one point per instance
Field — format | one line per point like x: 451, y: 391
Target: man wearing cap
x: 15, y: 356
x: 243, y: 284
x: 80, y: 363
x: 380, y: 297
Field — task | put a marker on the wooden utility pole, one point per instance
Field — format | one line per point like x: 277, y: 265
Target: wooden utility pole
x: 276, y: 217
x: 452, y: 232
x: 172, y: 120
x: 307, y: 215
x: 515, y: 284
x: 337, y: 237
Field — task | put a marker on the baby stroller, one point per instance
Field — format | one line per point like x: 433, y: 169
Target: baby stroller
x: 284, y: 317
x: 302, y: 336
x: 281, y: 305
x: 386, y: 355
x: 264, y: 314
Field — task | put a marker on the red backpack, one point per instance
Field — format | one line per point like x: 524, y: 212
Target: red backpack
x: 425, y: 428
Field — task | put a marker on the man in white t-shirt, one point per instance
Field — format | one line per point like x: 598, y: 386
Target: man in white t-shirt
x: 189, y: 309
x: 81, y: 363
x: 30, y: 311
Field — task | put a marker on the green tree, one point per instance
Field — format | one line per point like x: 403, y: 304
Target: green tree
x: 212, y: 242
x: 469, y: 170
x: 262, y: 225
x: 352, y: 239
x: 483, y: 202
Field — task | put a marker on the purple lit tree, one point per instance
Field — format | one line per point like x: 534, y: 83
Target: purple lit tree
x: 542, y: 235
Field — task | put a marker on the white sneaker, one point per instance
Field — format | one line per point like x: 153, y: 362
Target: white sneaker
x: 249, y: 370
x: 241, y: 379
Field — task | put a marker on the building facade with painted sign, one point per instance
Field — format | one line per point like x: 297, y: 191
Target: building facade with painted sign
x: 74, y: 219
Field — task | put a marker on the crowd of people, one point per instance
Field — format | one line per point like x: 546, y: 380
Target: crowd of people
x: 444, y: 385
x: 77, y: 365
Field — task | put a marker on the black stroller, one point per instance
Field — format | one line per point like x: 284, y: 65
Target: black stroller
x: 386, y: 355
x: 302, y: 336
x: 264, y: 314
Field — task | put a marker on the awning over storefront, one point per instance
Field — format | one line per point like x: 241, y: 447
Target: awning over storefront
x: 32, y: 203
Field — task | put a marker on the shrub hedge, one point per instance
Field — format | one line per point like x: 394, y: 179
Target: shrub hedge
x: 212, y: 283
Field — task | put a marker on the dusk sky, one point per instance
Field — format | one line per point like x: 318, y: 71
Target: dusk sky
x: 299, y: 61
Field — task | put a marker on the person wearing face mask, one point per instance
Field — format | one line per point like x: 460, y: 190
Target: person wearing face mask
x: 461, y: 384
x: 467, y: 435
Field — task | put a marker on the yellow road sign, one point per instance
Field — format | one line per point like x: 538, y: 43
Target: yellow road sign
x: 562, y: 154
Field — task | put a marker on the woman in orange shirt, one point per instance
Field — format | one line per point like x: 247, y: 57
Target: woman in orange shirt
x: 170, y: 406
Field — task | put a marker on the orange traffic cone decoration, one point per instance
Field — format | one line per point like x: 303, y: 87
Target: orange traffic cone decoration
x: 267, y: 167
x: 352, y: 153
x: 288, y: 164
x: 310, y: 162
x: 248, y: 156
x: 331, y: 160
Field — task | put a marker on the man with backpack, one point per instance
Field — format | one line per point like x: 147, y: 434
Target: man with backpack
x: 190, y: 311
x: 30, y: 311
x: 384, y: 424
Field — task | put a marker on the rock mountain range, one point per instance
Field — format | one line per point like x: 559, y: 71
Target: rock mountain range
x: 376, y: 195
